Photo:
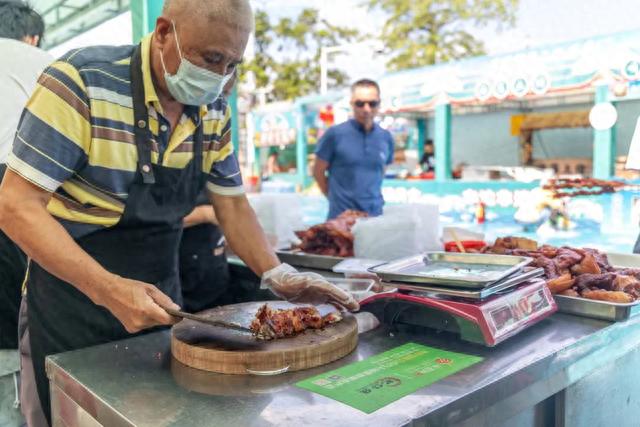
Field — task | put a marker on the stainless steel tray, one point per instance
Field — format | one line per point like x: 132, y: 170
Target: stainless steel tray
x: 451, y: 269
x: 297, y: 258
x: 473, y: 294
x: 603, y: 310
x: 596, y: 309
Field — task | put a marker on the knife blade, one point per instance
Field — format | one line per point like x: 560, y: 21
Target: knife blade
x: 207, y: 320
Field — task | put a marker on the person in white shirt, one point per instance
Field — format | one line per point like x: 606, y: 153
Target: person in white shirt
x: 21, y: 31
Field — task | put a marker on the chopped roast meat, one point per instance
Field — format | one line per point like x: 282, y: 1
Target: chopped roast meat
x: 570, y: 293
x: 609, y: 296
x: 505, y: 245
x: 550, y: 268
x: 566, y: 258
x: 633, y: 290
x: 332, y: 238
x: 582, y: 271
x: 621, y: 282
x: 581, y: 186
x: 549, y: 251
x: 635, y: 272
x: 560, y: 284
x: 588, y: 265
x: 601, y: 259
x: 597, y: 281
x: 273, y: 323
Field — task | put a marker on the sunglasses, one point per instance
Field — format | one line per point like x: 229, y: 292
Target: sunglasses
x: 372, y: 104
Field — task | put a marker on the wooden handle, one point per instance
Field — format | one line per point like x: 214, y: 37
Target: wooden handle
x: 458, y: 243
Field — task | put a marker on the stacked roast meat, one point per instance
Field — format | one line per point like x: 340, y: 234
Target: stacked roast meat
x: 332, y: 238
x: 573, y: 187
x: 576, y: 272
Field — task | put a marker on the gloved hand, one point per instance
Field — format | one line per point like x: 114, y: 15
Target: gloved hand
x: 294, y: 286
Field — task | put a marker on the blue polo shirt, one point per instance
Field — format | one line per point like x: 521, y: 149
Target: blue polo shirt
x: 357, y: 160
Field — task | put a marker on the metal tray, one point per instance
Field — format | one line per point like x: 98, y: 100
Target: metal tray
x: 596, y: 309
x: 603, y: 310
x: 297, y: 258
x: 474, y: 294
x: 451, y: 269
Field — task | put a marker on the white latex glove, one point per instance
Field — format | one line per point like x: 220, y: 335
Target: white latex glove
x: 294, y: 286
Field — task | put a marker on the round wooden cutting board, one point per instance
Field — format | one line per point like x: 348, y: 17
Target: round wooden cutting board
x: 226, y: 351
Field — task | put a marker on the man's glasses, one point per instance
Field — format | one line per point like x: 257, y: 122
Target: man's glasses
x: 372, y: 104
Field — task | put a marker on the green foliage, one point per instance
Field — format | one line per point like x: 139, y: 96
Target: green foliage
x: 426, y: 32
x: 287, y: 56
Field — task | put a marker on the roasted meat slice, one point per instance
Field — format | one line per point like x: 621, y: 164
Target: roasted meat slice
x: 332, y: 238
x: 550, y: 267
x: 595, y: 281
x: 610, y: 296
x: 635, y: 272
x: 276, y: 323
x: 588, y: 265
x: 566, y: 258
x: 560, y: 284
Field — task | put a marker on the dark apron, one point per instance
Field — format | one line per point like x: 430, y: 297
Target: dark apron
x: 204, y: 271
x: 142, y: 246
x: 13, y: 264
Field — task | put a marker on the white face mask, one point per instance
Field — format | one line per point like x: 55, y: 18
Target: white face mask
x: 193, y: 85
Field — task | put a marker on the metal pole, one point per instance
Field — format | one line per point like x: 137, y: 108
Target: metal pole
x: 235, y: 120
x: 301, y: 146
x: 604, y: 142
x: 323, y: 70
x: 443, y: 142
x: 422, y: 136
x: 143, y: 17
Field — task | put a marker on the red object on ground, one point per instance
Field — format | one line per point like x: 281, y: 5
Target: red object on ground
x: 468, y: 245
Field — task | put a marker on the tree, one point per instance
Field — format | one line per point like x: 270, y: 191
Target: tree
x: 287, y: 55
x: 426, y: 32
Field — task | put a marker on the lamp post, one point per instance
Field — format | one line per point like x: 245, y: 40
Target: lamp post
x: 375, y: 45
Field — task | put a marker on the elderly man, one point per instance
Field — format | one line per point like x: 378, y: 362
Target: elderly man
x: 355, y: 154
x: 111, y: 152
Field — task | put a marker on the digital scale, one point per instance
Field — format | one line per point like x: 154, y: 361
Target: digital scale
x: 481, y: 311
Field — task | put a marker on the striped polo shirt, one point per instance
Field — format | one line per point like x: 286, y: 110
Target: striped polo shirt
x: 76, y: 137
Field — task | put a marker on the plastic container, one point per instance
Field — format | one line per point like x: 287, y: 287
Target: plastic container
x: 359, y: 288
x: 357, y: 268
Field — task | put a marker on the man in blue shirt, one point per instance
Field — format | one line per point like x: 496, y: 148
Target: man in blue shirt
x: 355, y: 154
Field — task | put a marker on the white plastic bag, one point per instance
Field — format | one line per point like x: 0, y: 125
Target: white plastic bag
x: 403, y: 230
x: 279, y: 215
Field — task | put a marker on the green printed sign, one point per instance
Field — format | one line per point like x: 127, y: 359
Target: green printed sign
x: 375, y: 382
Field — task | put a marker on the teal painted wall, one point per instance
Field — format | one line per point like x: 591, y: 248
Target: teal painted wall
x: 485, y: 139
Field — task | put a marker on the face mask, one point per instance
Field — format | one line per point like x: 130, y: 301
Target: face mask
x: 193, y: 85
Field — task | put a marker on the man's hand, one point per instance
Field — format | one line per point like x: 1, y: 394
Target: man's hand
x: 137, y: 305
x: 294, y: 286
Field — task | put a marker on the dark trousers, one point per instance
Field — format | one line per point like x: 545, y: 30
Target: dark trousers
x: 13, y: 264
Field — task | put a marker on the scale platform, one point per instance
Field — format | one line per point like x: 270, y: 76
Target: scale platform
x: 484, y: 321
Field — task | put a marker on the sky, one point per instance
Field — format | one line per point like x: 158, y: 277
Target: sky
x: 539, y: 22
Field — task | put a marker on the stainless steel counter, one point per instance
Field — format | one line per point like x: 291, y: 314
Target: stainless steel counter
x: 135, y: 381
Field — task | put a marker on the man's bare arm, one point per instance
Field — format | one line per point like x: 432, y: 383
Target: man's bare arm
x: 243, y: 232
x: 25, y: 219
x: 320, y: 174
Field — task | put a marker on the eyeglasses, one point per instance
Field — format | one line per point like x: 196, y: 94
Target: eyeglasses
x: 372, y: 104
